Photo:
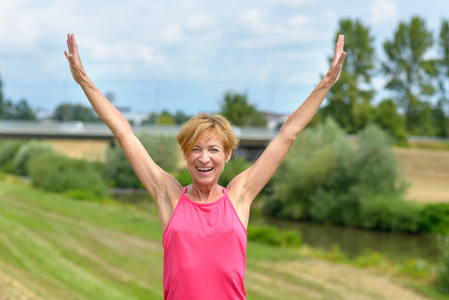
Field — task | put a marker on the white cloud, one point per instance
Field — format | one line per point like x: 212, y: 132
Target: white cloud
x: 172, y: 34
x: 199, y: 22
x: 298, y: 20
x: 383, y: 12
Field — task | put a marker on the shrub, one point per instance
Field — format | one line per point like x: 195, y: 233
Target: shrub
x: 57, y: 173
x: 234, y: 167
x: 434, y: 218
x: 442, y: 280
x: 8, y: 149
x: 328, y: 178
x: 184, y: 177
x: 27, y: 151
x: 162, y: 149
x: 273, y: 236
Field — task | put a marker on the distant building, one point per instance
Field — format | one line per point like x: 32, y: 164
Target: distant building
x: 274, y: 120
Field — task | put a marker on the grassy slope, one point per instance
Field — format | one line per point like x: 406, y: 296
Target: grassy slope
x: 56, y: 248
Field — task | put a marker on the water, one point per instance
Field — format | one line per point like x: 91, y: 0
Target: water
x: 353, y: 242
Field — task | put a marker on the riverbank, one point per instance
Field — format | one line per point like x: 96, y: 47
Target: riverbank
x: 60, y: 248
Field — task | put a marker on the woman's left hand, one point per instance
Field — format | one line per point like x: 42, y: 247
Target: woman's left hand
x: 76, y: 67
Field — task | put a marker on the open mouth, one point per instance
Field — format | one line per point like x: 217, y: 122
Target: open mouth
x: 204, y: 170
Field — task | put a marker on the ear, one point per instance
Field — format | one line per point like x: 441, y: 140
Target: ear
x: 228, y: 156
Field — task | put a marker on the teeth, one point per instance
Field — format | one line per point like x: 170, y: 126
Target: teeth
x: 204, y: 169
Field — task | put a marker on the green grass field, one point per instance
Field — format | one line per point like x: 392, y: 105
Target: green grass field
x: 53, y: 247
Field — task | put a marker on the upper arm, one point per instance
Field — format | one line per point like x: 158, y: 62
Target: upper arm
x: 158, y: 183
x: 249, y: 183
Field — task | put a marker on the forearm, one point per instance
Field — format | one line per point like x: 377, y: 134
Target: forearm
x: 104, y: 109
x: 299, y: 119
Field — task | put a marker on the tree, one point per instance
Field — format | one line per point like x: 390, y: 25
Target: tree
x: 75, y: 112
x: 388, y: 119
x: 238, y: 111
x: 349, y: 100
x: 23, y: 111
x: 180, y: 117
x: 442, y: 117
x: 2, y: 108
x: 165, y: 118
x: 409, y: 72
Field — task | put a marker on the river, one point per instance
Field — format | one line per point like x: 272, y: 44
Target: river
x: 351, y: 241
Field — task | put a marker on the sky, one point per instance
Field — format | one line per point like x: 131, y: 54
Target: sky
x: 185, y: 55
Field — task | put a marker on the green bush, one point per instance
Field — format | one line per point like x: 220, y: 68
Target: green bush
x: 389, y: 214
x: 57, y: 173
x: 329, y: 178
x: 162, y: 149
x: 442, y: 280
x: 434, y: 218
x: 184, y: 177
x: 8, y: 149
x: 26, y: 152
x: 273, y: 236
x: 234, y: 167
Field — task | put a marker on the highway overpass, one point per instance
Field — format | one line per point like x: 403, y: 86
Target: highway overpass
x: 252, y: 140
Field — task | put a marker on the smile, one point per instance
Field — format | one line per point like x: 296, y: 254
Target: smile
x: 204, y: 169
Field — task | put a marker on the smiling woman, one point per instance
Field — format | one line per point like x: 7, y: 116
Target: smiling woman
x: 204, y: 224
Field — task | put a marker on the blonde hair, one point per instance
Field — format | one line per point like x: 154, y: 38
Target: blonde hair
x: 194, y: 128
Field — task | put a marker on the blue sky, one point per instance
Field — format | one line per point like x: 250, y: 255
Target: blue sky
x: 184, y: 55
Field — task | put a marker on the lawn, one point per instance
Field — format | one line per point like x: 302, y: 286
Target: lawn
x: 54, y: 247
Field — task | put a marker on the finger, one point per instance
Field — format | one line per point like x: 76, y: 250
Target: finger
x: 75, y: 46
x: 338, y: 50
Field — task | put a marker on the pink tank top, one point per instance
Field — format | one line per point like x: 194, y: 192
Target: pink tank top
x: 204, y: 251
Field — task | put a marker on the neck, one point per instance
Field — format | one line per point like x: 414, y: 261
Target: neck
x: 204, y: 193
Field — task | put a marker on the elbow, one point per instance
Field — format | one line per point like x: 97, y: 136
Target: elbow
x: 288, y: 136
x: 122, y: 132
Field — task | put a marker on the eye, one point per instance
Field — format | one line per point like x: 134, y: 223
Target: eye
x: 195, y: 149
x: 214, y: 150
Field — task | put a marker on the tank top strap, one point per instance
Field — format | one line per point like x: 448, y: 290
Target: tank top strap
x: 184, y: 189
x: 225, y: 193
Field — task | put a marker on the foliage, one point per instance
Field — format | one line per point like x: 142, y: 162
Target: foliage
x: 273, y: 236
x: 75, y: 112
x: 442, y: 281
x: 8, y: 149
x: 162, y: 149
x: 327, y: 178
x: 180, y: 117
x: 79, y: 178
x: 11, y: 111
x: 388, y: 119
x: 409, y: 72
x: 434, y: 218
x: 349, y: 100
x: 239, y: 112
x: 184, y: 177
x: 234, y: 167
x: 27, y: 151
x: 165, y: 118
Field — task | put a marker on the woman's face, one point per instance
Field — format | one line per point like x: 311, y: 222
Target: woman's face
x: 206, y: 160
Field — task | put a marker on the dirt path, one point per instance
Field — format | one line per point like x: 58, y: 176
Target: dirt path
x: 323, y: 280
x: 13, y: 290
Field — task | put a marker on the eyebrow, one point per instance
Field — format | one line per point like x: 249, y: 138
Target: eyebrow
x: 209, y: 146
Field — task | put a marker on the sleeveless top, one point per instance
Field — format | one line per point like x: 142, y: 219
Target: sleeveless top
x: 204, y: 251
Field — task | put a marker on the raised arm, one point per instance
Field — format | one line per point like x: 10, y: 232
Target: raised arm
x: 158, y: 183
x: 248, y: 184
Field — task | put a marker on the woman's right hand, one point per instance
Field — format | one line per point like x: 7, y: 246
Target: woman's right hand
x: 76, y: 67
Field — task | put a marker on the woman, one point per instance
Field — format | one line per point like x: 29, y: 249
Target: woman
x: 204, y: 224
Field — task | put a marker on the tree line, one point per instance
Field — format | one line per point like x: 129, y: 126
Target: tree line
x: 415, y: 95
x: 417, y: 84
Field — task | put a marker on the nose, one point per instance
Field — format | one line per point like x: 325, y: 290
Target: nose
x: 204, y: 158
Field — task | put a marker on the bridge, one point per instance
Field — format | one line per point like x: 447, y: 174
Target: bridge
x: 252, y: 140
